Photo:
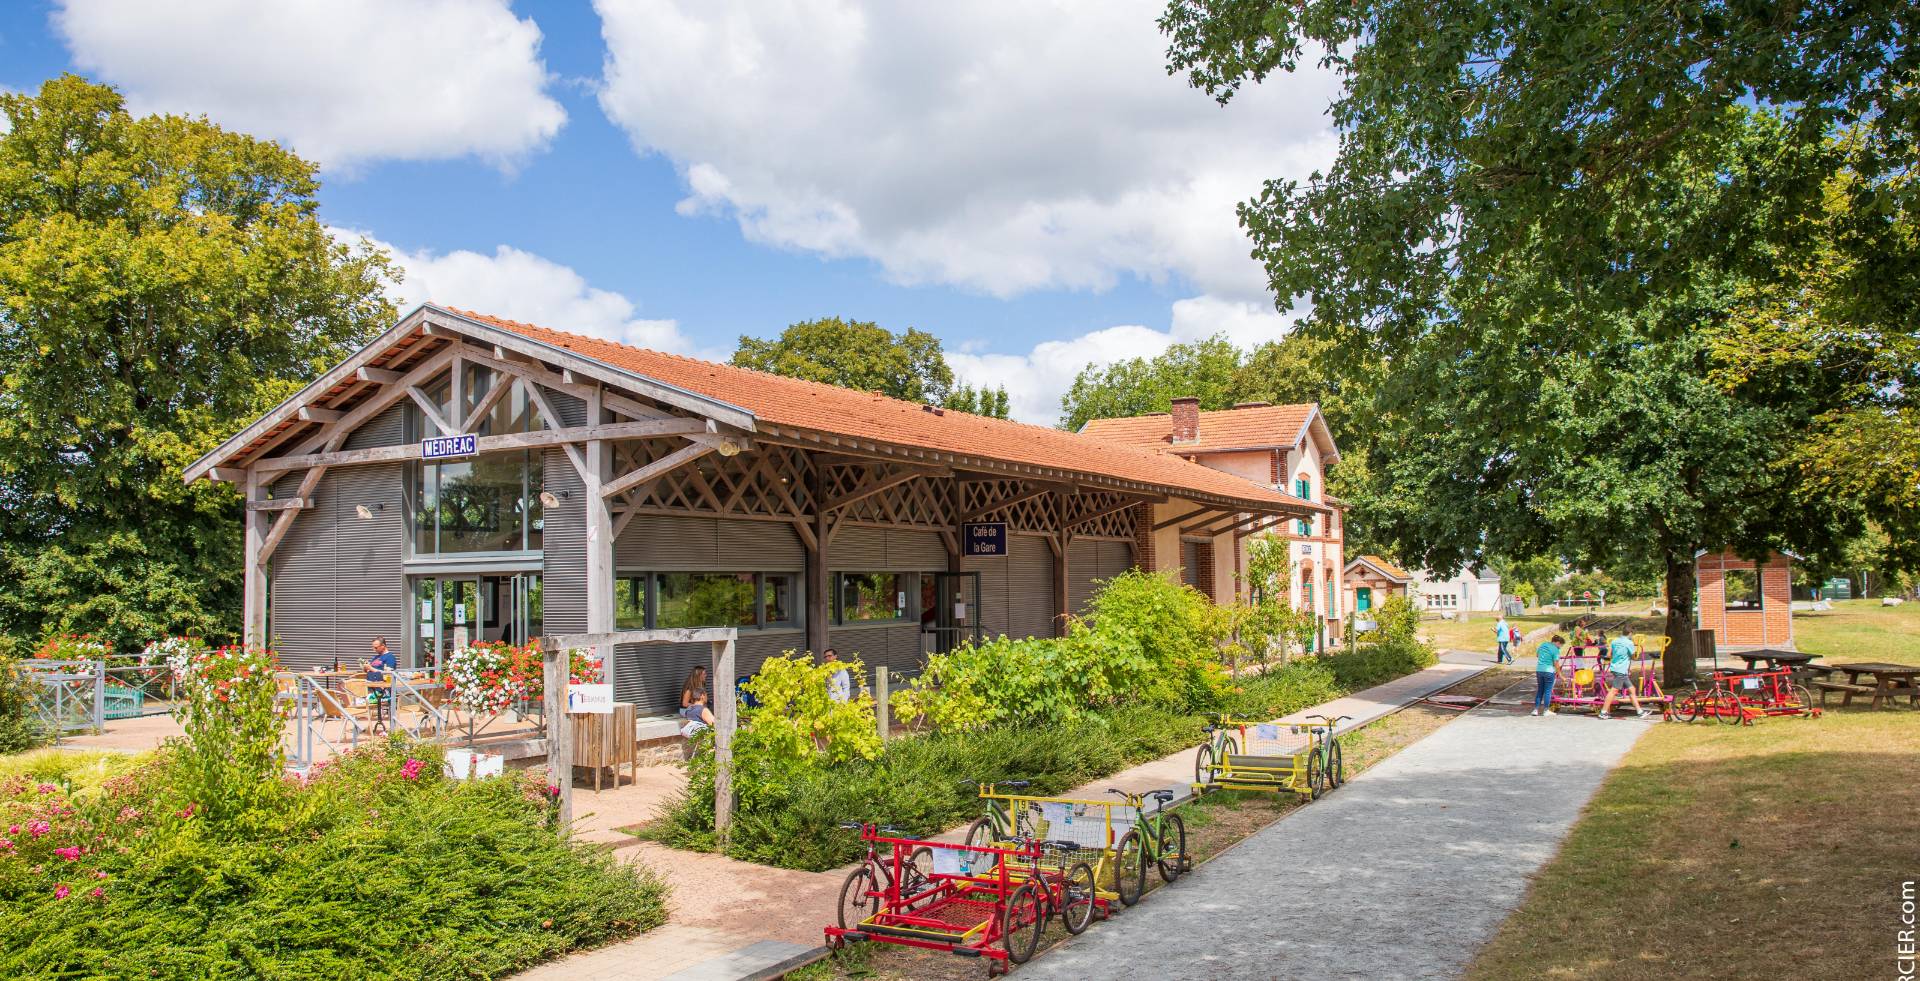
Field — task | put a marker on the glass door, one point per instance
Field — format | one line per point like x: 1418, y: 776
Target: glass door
x: 956, y: 618
x: 451, y: 612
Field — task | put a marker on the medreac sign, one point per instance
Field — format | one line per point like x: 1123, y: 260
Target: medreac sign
x: 446, y: 447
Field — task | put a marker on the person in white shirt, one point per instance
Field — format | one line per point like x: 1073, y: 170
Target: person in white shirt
x: 840, y: 683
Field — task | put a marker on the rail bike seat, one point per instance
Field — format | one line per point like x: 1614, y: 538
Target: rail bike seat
x: 1162, y: 795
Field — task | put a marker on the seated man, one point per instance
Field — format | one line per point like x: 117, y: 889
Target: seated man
x: 380, y: 670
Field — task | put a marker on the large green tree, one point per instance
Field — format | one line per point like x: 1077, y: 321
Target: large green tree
x: 855, y: 354
x: 1541, y: 217
x: 161, y: 281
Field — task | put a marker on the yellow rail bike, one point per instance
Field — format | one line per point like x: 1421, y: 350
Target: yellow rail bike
x: 1314, y: 769
x: 1096, y: 832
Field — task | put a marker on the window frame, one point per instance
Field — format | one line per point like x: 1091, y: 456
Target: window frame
x: 650, y: 595
x: 836, y: 614
x: 1759, y: 589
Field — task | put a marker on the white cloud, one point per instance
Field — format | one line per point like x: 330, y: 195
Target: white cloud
x: 1001, y: 145
x: 1036, y: 380
x: 342, y: 81
x: 520, y: 285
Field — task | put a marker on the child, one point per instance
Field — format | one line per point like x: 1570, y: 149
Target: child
x: 1547, y: 654
x: 1619, y: 663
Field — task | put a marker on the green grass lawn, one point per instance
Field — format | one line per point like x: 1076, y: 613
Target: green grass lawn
x: 1861, y: 630
x: 1718, y: 851
x: 1476, y: 634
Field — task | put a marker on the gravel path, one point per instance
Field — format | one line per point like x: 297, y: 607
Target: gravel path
x: 1405, y: 872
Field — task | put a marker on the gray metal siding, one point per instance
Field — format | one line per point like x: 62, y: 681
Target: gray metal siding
x: 994, y: 599
x: 563, y: 584
x: 858, y: 548
x: 687, y: 543
x: 895, y: 645
x: 370, y: 589
x: 301, y: 578
x: 388, y: 428
x: 1030, y: 586
x: 1090, y: 561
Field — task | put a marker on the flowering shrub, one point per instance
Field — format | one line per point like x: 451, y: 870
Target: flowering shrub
x: 233, y: 719
x: 492, y: 676
x: 73, y: 647
x: 319, y: 872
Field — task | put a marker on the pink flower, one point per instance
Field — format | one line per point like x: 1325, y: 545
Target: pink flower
x: 13, y: 829
x: 47, y: 788
x: 98, y: 893
x: 99, y: 875
x: 6, y: 844
x: 71, y: 854
x: 412, y: 769
x: 38, y: 828
x: 60, y: 891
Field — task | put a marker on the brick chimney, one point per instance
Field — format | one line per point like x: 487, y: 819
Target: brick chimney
x: 1186, y: 419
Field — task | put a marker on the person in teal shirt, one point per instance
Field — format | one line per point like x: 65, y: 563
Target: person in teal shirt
x: 1501, y: 633
x: 1546, y: 656
x: 1619, y: 662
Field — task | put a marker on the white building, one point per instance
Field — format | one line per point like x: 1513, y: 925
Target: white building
x: 1473, y: 590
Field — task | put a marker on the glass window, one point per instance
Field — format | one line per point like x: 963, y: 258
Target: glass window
x: 777, y: 595
x: 868, y: 596
x: 1743, y: 589
x: 704, y: 599
x: 488, y: 503
x: 630, y: 603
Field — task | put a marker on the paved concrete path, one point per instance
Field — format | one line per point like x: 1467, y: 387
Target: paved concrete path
x: 1405, y: 872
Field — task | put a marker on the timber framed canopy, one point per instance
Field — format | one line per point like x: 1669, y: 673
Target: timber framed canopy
x: 658, y: 413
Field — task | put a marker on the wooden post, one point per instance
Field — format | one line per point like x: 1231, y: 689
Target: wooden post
x: 253, y: 615
x: 880, y: 700
x: 725, y: 719
x: 599, y: 539
x: 1061, y: 593
x: 818, y: 601
x: 559, y: 730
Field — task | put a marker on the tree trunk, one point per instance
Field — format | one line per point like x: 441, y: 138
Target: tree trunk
x: 1680, y: 589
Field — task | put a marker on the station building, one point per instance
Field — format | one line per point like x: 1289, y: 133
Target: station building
x: 464, y: 477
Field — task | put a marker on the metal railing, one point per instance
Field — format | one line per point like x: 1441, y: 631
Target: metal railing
x: 72, y: 694
x: 330, y: 714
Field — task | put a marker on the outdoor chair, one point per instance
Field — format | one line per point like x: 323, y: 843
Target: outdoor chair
x: 334, y: 707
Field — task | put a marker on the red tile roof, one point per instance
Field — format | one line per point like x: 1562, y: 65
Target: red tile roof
x: 1253, y: 426
x: 1392, y: 571
x: 791, y: 402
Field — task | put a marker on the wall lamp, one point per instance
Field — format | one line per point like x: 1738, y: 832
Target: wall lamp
x: 365, y: 513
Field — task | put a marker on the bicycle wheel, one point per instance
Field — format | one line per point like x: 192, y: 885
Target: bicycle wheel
x: 859, y: 897
x: 1686, y: 705
x: 1077, y: 894
x: 1172, y: 855
x: 1021, y: 921
x: 1725, y: 707
x: 1336, y: 765
x: 980, y: 833
x: 1203, y: 764
x: 917, y: 874
x: 1316, y: 773
x: 1800, y: 698
x: 1130, y: 867
x: 1229, y: 746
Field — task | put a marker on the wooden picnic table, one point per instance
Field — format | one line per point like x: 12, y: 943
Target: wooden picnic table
x: 1890, y: 681
x: 1774, y: 658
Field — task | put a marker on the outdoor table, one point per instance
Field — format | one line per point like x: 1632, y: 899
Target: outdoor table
x: 1890, y: 680
x: 1774, y: 658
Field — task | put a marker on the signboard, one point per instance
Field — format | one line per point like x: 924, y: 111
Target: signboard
x: 590, y: 699
x: 1837, y: 589
x: 443, y: 447
x: 983, y: 538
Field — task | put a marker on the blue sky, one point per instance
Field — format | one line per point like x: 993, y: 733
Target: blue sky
x: 1022, y: 180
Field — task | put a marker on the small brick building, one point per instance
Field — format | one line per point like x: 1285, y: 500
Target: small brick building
x: 1745, y: 603
x: 1370, y: 581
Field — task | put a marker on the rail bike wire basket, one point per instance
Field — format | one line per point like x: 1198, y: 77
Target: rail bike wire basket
x: 982, y: 901
x: 1074, y: 830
